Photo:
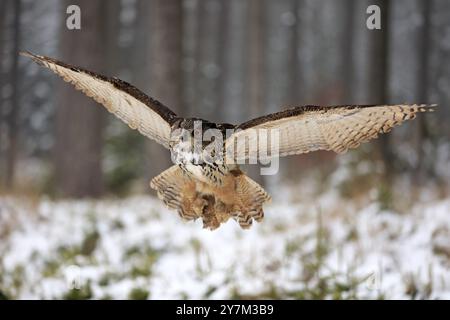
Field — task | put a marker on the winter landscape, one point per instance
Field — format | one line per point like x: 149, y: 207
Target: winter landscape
x: 308, y: 247
x: 78, y: 219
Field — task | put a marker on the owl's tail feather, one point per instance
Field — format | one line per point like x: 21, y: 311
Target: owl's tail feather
x: 177, y: 191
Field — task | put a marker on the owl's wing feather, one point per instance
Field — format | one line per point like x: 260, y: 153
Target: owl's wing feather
x: 150, y: 117
x: 310, y: 128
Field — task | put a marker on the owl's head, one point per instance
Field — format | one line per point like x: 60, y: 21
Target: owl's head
x: 196, y: 140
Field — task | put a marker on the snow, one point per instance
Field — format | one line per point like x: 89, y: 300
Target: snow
x: 141, y: 244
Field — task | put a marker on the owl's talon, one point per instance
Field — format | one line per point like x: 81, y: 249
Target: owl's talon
x: 198, y: 206
x: 259, y: 216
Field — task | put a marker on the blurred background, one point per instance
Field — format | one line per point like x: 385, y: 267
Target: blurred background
x: 225, y: 61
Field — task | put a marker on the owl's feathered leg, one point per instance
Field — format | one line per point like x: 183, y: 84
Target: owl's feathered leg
x: 239, y: 198
x: 178, y: 192
x: 251, y: 198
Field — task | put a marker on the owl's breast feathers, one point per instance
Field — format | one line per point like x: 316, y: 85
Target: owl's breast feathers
x: 197, y: 147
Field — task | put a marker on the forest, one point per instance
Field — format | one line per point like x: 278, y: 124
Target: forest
x: 75, y: 201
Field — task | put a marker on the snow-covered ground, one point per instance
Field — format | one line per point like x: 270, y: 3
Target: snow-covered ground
x: 136, y: 248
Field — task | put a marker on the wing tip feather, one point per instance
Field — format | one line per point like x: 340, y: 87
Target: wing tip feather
x: 36, y: 58
x: 428, y: 107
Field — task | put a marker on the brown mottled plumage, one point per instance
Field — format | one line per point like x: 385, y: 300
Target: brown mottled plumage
x: 216, y: 192
x: 238, y: 197
x: 337, y: 128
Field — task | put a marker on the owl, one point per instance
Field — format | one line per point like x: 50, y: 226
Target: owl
x: 206, y: 181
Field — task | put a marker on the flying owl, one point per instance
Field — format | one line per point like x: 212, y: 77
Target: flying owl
x: 206, y: 182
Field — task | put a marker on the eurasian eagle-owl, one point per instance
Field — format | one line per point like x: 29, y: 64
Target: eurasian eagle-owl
x: 215, y: 191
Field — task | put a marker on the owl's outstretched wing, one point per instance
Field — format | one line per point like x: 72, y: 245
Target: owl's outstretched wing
x: 148, y: 116
x: 310, y: 128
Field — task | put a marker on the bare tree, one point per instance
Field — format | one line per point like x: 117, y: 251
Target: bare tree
x: 422, y: 88
x: 15, y: 105
x: 79, y: 120
x: 377, y: 70
x: 347, y: 50
x: 235, y: 68
x: 2, y: 27
x: 293, y: 95
x: 209, y: 58
x: 222, y: 48
x: 294, y: 44
x: 112, y: 25
x: 164, y: 68
x: 256, y: 50
x: 190, y: 50
x: 3, y: 8
x: 256, y: 74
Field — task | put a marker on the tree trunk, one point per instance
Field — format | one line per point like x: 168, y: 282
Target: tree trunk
x: 15, y: 105
x: 80, y: 120
x: 293, y: 163
x: 164, y: 69
x: 294, y: 61
x: 256, y: 58
x: 378, y: 76
x: 347, y: 48
x: 190, y: 50
x: 422, y: 90
x: 234, y: 105
x: 3, y: 141
x: 223, y: 52
x: 256, y: 53
x: 113, y: 27
x: 209, y: 59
